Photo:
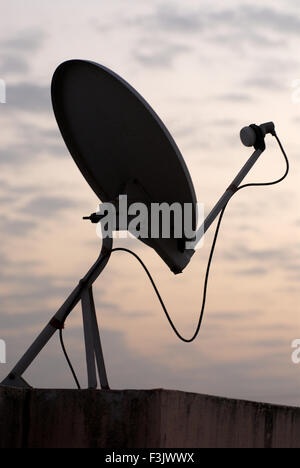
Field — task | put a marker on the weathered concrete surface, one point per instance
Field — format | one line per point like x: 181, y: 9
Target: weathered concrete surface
x: 141, y: 419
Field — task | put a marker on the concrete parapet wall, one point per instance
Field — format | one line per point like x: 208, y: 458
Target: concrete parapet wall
x: 141, y: 419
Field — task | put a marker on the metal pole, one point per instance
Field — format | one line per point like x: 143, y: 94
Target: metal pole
x: 89, y: 337
x: 227, y: 195
x: 97, y: 346
x: 15, y: 376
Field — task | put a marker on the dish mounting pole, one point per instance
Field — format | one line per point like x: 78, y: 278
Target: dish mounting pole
x: 94, y: 355
x: 228, y: 194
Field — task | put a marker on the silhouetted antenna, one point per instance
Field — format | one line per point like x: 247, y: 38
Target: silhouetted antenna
x: 122, y: 148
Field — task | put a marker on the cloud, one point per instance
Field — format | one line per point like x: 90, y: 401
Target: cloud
x: 24, y: 290
x: 243, y: 252
x: 7, y: 199
x: 159, y: 54
x: 22, y: 321
x: 226, y: 315
x: 15, y: 154
x: 275, y: 343
x: 223, y: 122
x: 31, y: 141
x: 246, y: 24
x: 238, y: 39
x: 32, y: 289
x: 16, y: 227
x: 29, y: 40
x: 14, y: 191
x: 286, y: 260
x: 234, y: 97
x: 29, y: 97
x: 274, y: 19
x: 255, y: 271
x: 168, y: 19
x: 47, y: 206
x: 13, y: 64
x: 25, y: 153
x: 17, y: 51
x: 269, y: 83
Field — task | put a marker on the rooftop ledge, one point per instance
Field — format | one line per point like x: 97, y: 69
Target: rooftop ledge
x: 141, y: 419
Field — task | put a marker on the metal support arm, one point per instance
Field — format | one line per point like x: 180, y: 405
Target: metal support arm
x: 83, y: 292
x: 229, y: 192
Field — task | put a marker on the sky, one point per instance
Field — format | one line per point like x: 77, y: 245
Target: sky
x: 208, y: 69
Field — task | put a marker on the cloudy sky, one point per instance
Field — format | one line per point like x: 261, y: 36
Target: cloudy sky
x: 208, y: 69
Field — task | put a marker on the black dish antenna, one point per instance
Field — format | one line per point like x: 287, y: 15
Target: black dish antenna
x: 122, y: 148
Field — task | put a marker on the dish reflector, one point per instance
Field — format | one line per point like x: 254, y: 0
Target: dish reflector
x: 121, y: 146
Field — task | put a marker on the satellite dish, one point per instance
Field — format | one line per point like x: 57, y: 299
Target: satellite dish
x: 121, y: 146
